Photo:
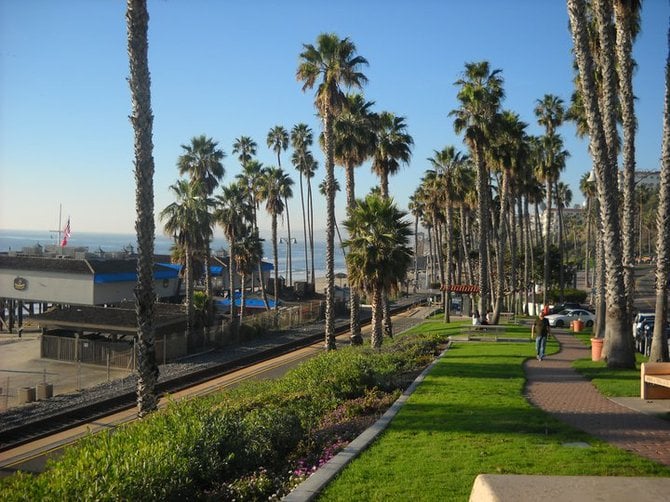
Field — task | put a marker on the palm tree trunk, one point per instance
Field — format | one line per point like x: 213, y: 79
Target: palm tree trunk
x: 483, y: 218
x: 659, y: 343
x: 500, y: 255
x: 624, y: 49
x: 448, y: 238
x: 231, y: 286
x: 243, y: 278
x: 330, y: 230
x: 416, y: 252
x: 275, y: 257
x: 466, y: 248
x: 547, y: 241
x: 618, y: 347
x: 137, y: 19
x: 377, y: 314
x: 310, y: 210
x: 289, y: 256
x: 304, y: 227
x: 588, y: 241
x: 354, y: 295
x: 209, y: 303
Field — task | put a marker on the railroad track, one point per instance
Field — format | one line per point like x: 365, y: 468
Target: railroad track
x: 51, y: 424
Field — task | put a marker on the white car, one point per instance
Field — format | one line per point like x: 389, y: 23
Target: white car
x: 565, y: 317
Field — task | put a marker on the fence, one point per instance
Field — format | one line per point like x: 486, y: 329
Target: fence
x: 103, y: 352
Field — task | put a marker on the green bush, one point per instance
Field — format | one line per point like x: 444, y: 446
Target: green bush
x: 232, y: 442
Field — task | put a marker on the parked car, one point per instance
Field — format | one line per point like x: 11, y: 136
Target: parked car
x: 564, y: 306
x: 639, y: 319
x: 565, y: 317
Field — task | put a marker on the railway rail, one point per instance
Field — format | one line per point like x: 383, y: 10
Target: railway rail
x: 44, y: 426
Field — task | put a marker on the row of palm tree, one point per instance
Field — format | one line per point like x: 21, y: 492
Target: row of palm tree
x: 352, y: 134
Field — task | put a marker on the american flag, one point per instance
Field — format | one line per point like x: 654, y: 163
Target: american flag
x: 66, y: 234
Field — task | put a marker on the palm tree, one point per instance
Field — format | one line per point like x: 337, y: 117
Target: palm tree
x: 232, y: 213
x: 416, y: 208
x: 335, y: 63
x: 392, y: 148
x: 270, y: 191
x: 659, y: 343
x: 563, y: 200
x: 588, y: 189
x: 618, y: 348
x: 137, y: 19
x: 480, y: 95
x: 301, y: 140
x: 250, y: 179
x: 185, y: 220
x: 379, y: 253
x: 627, y: 15
x: 277, y: 141
x: 249, y: 252
x: 202, y: 161
x: 354, y: 138
x: 550, y: 113
x: 246, y: 148
x: 286, y: 192
x: 444, y: 162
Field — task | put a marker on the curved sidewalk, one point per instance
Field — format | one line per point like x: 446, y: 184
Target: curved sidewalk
x: 554, y: 386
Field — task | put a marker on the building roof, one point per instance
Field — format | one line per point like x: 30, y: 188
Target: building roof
x: 103, y: 270
x: 116, y: 320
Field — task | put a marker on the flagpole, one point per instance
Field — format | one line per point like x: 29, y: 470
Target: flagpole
x: 60, y: 213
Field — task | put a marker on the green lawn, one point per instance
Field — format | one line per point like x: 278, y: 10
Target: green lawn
x: 469, y: 417
x: 610, y: 382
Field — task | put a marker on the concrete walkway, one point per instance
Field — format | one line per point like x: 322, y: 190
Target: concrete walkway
x: 554, y: 386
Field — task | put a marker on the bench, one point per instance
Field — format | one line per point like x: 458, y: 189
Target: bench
x: 655, y: 381
x: 479, y: 330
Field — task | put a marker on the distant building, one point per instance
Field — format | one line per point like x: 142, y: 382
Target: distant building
x: 650, y: 179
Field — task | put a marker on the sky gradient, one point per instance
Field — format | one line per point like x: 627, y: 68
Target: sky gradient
x: 227, y: 68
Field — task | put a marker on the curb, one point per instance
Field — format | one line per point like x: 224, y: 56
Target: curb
x: 312, y: 486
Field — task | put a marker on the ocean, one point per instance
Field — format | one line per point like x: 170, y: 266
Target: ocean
x: 16, y: 240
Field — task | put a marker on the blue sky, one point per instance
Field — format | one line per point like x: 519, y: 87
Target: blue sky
x: 227, y: 68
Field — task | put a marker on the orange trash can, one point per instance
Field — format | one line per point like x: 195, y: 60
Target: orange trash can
x: 577, y: 325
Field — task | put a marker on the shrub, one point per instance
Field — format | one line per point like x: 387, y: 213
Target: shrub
x: 238, y: 441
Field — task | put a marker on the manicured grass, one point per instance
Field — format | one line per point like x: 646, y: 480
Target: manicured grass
x: 469, y: 417
x: 609, y: 382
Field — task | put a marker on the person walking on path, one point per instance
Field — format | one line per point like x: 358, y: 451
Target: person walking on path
x: 555, y: 387
x: 540, y: 332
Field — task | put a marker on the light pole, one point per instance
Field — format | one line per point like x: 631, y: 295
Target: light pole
x: 288, y: 242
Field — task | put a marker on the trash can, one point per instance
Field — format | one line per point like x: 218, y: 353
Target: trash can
x: 26, y: 395
x: 45, y: 390
x: 596, y: 349
x: 577, y: 325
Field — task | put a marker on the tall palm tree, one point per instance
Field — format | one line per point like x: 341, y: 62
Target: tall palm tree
x: 354, y: 138
x: 185, y: 220
x: 137, y: 19
x: 416, y: 209
x: 202, y: 161
x: 392, y: 148
x: 588, y: 189
x: 270, y: 191
x: 444, y: 162
x: 245, y: 147
x: 248, y: 254
x: 659, y: 342
x: 250, y: 179
x: 379, y: 253
x: 618, y: 346
x: 550, y: 113
x: 335, y: 63
x: 233, y: 214
x: 627, y: 15
x: 301, y: 140
x: 286, y: 192
x: 563, y: 200
x: 480, y: 94
x: 278, y: 140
